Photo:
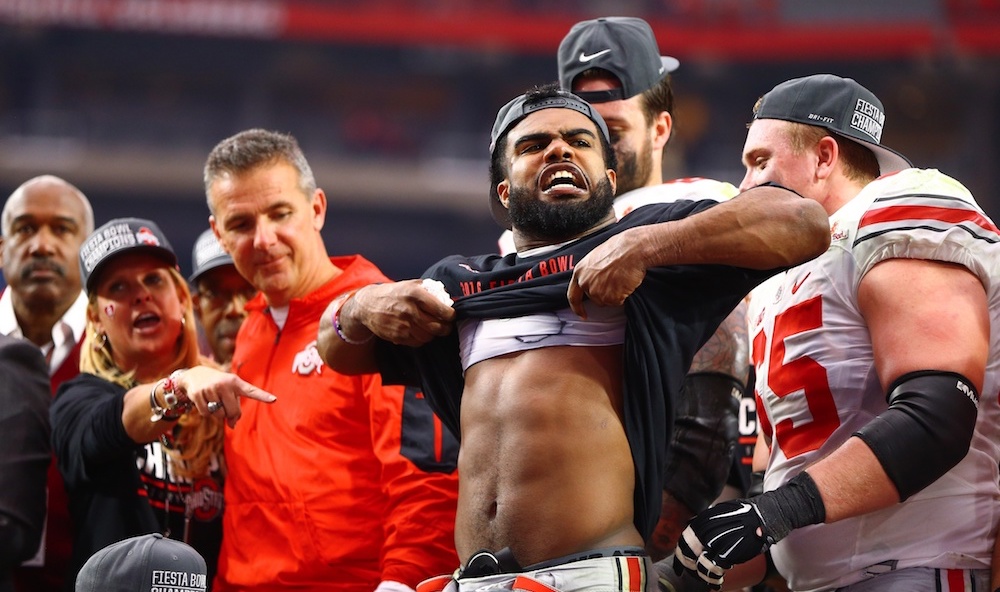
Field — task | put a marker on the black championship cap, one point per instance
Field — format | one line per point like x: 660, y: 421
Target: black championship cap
x: 144, y: 564
x: 622, y: 45
x: 840, y: 105
x: 517, y: 109
x: 121, y: 235
x: 207, y: 255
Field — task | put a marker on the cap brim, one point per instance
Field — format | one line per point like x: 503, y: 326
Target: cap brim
x: 670, y: 64
x: 221, y: 262
x: 165, y: 255
x: 889, y: 161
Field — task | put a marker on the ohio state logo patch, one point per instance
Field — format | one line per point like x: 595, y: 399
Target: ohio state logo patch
x: 205, y: 499
x: 308, y: 361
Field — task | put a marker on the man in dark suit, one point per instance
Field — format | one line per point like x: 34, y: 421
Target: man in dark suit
x: 24, y: 452
x: 42, y: 225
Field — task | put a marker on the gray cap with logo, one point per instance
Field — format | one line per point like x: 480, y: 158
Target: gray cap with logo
x: 206, y: 255
x: 840, y: 105
x: 622, y: 45
x: 143, y: 564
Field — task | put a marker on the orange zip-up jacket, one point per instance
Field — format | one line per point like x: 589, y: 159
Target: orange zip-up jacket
x: 340, y: 484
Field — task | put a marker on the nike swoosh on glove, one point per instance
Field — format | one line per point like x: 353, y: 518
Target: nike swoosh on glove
x: 728, y: 533
x: 736, y: 531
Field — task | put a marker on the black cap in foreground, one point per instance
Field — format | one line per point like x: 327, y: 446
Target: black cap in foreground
x: 144, y: 564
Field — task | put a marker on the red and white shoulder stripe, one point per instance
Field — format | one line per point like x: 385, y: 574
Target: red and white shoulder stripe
x: 927, y: 199
x: 922, y: 214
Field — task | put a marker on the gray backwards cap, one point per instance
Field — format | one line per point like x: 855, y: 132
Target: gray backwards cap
x: 840, y: 105
x: 624, y: 46
x: 117, y: 237
x: 520, y: 107
x: 143, y: 564
x: 206, y: 255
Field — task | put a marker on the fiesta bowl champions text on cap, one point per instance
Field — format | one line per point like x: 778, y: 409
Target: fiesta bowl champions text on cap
x: 147, y: 563
x: 206, y: 255
x: 624, y: 46
x: 840, y: 105
x: 119, y: 236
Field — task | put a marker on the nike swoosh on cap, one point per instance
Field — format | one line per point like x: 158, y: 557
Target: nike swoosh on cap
x: 586, y: 58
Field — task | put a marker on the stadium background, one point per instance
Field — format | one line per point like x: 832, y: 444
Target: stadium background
x: 392, y: 100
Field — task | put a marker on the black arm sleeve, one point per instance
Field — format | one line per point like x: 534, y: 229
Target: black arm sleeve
x: 24, y: 452
x: 926, y: 430
x: 705, y: 434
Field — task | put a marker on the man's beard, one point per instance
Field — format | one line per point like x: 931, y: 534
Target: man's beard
x: 558, y: 221
x: 634, y: 168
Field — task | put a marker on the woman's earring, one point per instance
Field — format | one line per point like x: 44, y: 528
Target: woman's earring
x: 101, y: 343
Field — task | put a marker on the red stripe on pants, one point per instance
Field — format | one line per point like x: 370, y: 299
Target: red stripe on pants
x: 956, y: 580
x: 529, y: 585
x: 634, y: 573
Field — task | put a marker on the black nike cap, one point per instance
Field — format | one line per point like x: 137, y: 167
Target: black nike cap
x: 622, y: 45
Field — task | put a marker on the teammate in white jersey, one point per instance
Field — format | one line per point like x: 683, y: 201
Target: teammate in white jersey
x: 615, y: 64
x: 883, y: 464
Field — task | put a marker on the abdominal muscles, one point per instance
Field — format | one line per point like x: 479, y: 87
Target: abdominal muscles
x: 545, y: 467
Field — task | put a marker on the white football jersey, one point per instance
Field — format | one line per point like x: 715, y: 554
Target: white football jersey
x: 692, y: 188
x: 817, y: 384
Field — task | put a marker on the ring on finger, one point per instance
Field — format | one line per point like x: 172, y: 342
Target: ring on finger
x: 214, y: 406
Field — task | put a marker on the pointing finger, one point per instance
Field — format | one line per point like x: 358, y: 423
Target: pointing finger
x: 251, y: 392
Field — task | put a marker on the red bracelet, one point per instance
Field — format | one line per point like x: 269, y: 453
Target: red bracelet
x: 175, y: 407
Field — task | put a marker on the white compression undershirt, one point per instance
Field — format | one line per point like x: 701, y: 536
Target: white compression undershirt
x: 481, y: 339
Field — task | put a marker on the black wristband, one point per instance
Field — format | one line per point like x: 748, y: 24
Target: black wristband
x: 793, y: 505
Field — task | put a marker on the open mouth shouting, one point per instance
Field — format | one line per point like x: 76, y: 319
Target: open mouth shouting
x: 563, y: 179
x: 146, y: 321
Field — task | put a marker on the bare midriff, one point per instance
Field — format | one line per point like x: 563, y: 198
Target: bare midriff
x: 545, y: 466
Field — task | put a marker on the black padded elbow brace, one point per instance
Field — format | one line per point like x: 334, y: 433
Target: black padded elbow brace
x: 706, y: 431
x: 926, y: 430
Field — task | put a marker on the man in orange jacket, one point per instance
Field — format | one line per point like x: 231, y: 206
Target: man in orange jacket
x: 346, y: 485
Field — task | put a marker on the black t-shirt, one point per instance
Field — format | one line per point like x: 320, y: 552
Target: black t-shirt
x: 668, y: 318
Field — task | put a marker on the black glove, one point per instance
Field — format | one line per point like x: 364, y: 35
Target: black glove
x: 736, y: 531
x: 670, y: 580
x: 725, y: 534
